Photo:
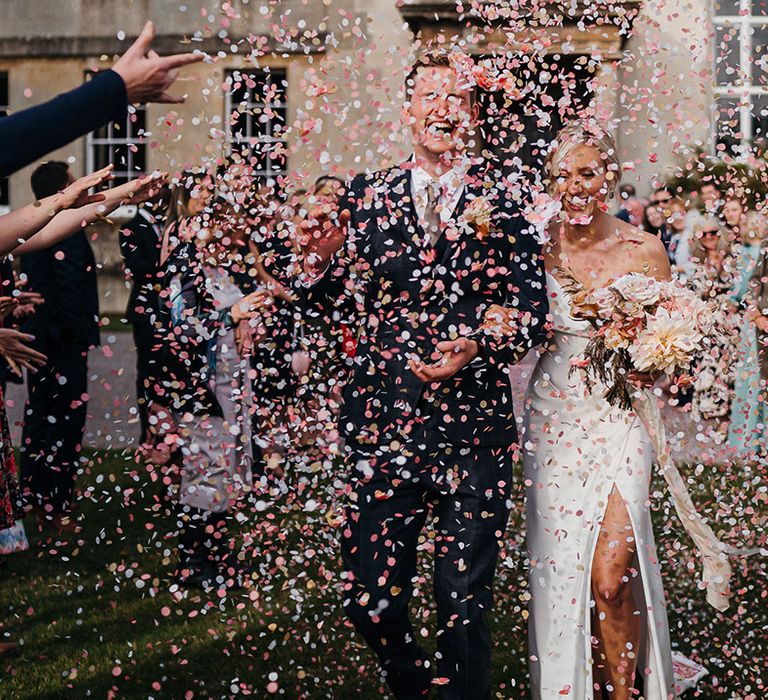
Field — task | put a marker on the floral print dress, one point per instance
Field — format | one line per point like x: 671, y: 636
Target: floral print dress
x: 12, y: 537
x: 713, y: 384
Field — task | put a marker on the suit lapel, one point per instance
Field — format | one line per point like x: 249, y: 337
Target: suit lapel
x: 412, y: 228
x: 472, y: 187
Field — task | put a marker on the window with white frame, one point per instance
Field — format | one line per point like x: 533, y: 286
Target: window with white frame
x: 122, y: 143
x: 741, y: 75
x: 256, y: 114
x: 5, y: 194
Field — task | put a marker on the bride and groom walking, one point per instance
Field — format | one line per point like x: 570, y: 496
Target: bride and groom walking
x: 450, y: 285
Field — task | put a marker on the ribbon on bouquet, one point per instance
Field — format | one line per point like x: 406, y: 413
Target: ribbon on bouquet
x: 714, y: 553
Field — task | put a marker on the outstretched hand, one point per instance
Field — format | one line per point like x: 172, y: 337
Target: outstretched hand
x: 322, y: 235
x: 143, y: 188
x: 16, y: 353
x: 148, y: 76
x: 76, y: 195
x: 500, y: 320
x: 251, y: 305
x: 7, y: 306
x: 451, y: 356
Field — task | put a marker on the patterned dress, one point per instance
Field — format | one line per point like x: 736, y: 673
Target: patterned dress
x: 12, y: 537
x: 713, y: 385
x: 745, y: 434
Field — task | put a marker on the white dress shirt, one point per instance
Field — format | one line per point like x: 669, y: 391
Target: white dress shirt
x: 451, y: 188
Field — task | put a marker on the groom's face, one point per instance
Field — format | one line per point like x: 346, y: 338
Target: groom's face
x: 440, y: 114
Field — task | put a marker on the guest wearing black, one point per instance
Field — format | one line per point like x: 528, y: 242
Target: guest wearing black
x: 275, y: 384
x: 140, y: 243
x: 65, y: 327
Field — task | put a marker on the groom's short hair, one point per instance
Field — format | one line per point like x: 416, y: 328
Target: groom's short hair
x: 436, y: 58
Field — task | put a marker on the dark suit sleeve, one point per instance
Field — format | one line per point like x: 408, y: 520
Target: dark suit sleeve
x: 30, y: 134
x: 334, y: 288
x: 140, y: 248
x: 526, y: 293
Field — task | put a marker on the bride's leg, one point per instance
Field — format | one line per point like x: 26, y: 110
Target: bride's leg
x: 615, y: 619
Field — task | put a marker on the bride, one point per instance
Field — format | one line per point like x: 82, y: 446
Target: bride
x: 598, y: 624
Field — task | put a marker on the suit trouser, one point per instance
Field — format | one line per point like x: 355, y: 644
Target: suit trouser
x: 146, y: 358
x: 54, y: 423
x: 468, y: 491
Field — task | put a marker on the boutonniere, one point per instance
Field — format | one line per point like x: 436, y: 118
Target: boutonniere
x: 477, y: 215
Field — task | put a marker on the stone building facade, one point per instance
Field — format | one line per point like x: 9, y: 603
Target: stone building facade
x: 336, y: 69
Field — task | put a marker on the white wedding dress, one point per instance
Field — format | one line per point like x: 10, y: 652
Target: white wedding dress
x: 576, y: 448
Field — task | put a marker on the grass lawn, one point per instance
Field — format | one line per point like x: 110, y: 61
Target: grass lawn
x: 95, y: 617
x: 115, y: 323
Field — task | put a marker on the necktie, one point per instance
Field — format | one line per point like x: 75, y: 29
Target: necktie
x: 432, y: 213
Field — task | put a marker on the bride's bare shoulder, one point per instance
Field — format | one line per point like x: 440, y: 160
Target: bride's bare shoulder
x: 644, y: 249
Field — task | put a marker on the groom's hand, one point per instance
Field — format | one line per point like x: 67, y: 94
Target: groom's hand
x: 453, y: 355
x: 322, y: 235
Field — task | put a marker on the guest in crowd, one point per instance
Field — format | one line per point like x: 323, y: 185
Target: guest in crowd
x: 733, y: 214
x: 747, y: 412
x: 712, y: 279
x: 661, y: 201
x: 632, y: 211
x: 710, y: 196
x: 328, y: 187
x: 17, y: 304
x: 40, y: 225
x: 211, y: 337
x: 65, y: 327
x: 759, y: 314
x: 654, y: 222
x: 679, y: 239
x: 140, y: 243
x: 275, y: 383
x: 189, y: 195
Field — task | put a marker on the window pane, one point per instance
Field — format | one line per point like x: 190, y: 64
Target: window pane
x: 759, y: 120
x: 760, y: 55
x: 100, y: 156
x: 5, y: 197
x: 257, y: 115
x: 726, y: 7
x: 3, y: 91
x: 727, y: 55
x: 239, y: 124
x: 728, y: 124
x: 760, y: 8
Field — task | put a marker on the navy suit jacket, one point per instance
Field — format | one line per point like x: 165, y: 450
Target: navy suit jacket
x: 30, y: 134
x: 65, y: 275
x: 404, y: 297
x: 140, y: 247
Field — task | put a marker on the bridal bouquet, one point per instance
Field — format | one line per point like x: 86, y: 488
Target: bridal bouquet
x: 642, y: 325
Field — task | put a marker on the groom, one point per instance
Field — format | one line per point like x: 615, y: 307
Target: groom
x: 415, y: 255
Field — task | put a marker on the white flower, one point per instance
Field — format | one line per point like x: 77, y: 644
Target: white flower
x: 478, y: 214
x: 684, y: 298
x: 640, y: 289
x: 667, y: 343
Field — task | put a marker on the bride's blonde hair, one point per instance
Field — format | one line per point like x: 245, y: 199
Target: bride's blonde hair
x: 579, y: 133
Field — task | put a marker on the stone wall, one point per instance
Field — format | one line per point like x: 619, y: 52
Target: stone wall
x: 660, y: 87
